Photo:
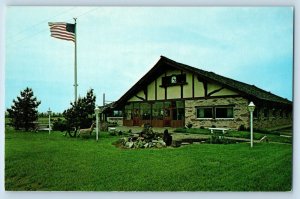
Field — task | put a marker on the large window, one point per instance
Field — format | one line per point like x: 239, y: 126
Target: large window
x: 157, y: 110
x: 128, y: 112
x: 204, y: 112
x: 214, y: 112
x: 224, y: 112
x: 145, y: 111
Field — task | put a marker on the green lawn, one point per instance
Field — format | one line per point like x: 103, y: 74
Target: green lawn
x: 272, y: 137
x: 39, y: 161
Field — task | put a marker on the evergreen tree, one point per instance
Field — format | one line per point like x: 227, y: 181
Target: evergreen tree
x: 23, y: 112
x: 81, y: 113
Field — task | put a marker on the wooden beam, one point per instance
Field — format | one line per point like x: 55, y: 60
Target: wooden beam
x: 215, y: 91
x: 166, y: 94
x: 140, y: 98
x: 205, y: 88
x: 181, y: 88
x: 193, y: 85
x: 156, y: 89
x: 146, y: 93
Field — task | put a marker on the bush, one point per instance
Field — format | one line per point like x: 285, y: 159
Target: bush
x: 242, y: 128
x: 189, y: 125
x: 59, y: 125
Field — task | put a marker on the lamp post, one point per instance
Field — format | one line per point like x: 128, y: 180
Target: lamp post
x: 49, y: 114
x: 97, y: 111
x: 251, y: 108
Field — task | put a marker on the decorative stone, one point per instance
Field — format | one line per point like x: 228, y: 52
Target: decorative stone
x: 129, y: 144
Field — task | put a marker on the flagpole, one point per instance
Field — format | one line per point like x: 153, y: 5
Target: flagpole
x: 75, y: 62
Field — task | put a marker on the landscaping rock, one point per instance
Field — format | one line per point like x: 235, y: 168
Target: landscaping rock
x: 129, y: 144
x: 145, y: 139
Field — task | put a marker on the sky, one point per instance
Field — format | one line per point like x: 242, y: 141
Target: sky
x: 116, y: 46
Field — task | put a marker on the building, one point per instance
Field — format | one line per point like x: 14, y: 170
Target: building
x: 172, y: 94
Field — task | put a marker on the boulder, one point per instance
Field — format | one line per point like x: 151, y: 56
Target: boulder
x: 129, y: 144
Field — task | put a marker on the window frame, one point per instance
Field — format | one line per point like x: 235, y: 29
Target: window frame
x: 205, y: 107
x: 223, y: 118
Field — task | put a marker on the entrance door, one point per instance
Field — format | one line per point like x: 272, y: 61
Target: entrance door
x: 167, y: 117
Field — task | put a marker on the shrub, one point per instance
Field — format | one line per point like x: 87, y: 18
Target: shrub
x: 59, y: 125
x: 242, y: 128
x: 189, y: 125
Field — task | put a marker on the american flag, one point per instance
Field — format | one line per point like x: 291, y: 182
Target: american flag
x: 62, y: 30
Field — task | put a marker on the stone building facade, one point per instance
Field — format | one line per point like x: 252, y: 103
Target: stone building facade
x: 240, y: 112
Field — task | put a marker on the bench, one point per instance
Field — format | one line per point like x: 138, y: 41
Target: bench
x: 224, y: 130
x: 43, y: 127
x: 111, y: 129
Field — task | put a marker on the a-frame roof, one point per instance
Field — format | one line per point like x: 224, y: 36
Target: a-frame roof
x: 246, y: 90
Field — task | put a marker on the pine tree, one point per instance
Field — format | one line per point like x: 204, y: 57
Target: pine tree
x: 23, y: 112
x: 81, y: 113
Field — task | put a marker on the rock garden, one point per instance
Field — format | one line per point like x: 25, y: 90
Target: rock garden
x: 147, y: 138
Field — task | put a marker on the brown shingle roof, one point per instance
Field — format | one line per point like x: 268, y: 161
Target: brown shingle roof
x: 237, y: 85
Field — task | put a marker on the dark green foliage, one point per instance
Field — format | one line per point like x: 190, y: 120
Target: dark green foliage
x: 23, y: 112
x: 189, y: 125
x: 59, y: 125
x: 81, y: 113
x: 242, y: 128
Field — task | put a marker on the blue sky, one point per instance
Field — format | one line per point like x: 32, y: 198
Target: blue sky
x: 118, y: 45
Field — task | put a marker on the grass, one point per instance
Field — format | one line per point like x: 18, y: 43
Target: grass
x: 39, y: 161
x: 244, y: 134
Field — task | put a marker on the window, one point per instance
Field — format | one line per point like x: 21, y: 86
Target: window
x: 173, y: 80
x: 214, y: 112
x: 145, y: 111
x: 157, y: 110
x: 204, y: 112
x: 128, y: 112
x: 266, y: 113
x: 117, y: 113
x: 136, y: 110
x: 224, y: 112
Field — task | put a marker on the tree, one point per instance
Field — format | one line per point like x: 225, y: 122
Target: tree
x: 81, y: 113
x: 23, y: 112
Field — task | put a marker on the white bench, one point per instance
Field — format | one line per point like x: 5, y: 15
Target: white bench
x: 224, y: 130
x: 111, y: 129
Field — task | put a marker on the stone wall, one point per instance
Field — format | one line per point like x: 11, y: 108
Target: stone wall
x: 273, y: 120
x: 241, y: 114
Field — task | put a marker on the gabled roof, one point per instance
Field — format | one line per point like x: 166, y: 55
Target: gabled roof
x: 247, y: 90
